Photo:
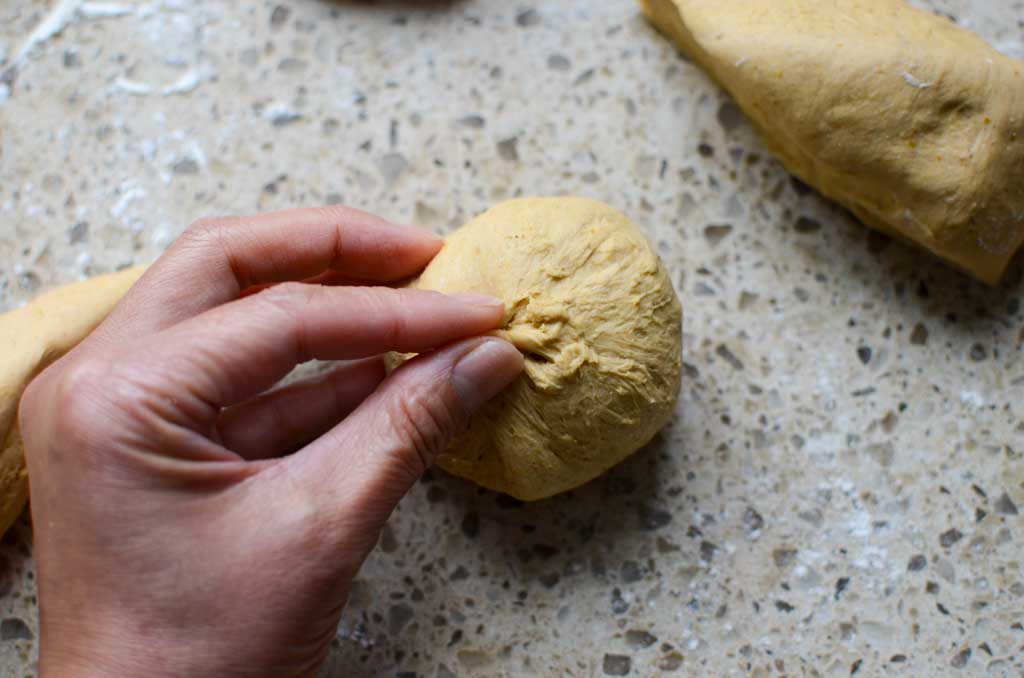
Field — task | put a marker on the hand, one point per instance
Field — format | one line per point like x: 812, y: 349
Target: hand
x: 188, y: 522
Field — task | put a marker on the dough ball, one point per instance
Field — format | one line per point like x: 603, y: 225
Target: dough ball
x: 589, y: 304
x: 913, y: 123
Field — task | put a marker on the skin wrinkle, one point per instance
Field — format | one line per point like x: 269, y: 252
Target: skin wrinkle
x: 136, y: 416
x: 305, y: 296
x: 337, y: 249
x: 402, y: 417
x: 426, y: 416
x: 208, y: 234
x: 195, y: 410
x: 397, y: 330
x: 224, y: 250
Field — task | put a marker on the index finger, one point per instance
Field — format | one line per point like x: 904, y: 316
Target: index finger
x: 238, y: 350
x: 216, y: 259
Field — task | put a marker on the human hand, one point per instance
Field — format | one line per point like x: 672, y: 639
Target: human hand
x: 175, y: 534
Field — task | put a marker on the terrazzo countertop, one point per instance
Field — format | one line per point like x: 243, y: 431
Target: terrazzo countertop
x: 842, y: 488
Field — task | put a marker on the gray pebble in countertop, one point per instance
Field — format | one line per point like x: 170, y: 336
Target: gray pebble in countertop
x: 839, y: 493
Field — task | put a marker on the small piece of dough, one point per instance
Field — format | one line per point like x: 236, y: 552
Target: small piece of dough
x: 911, y: 122
x: 594, y: 312
x: 33, y: 337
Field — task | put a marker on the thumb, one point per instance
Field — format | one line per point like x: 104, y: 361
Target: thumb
x: 366, y: 464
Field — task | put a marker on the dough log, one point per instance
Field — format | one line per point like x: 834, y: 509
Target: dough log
x: 911, y: 122
x: 32, y: 337
x: 591, y: 307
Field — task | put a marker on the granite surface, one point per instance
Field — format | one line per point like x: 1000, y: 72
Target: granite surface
x: 842, y: 488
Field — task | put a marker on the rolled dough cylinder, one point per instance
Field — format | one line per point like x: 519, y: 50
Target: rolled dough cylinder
x: 590, y: 305
x: 912, y: 123
x: 33, y: 337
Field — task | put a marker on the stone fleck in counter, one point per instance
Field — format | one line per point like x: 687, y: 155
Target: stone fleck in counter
x: 842, y: 487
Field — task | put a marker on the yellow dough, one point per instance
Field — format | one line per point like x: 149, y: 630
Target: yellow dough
x: 590, y: 306
x: 912, y: 123
x: 32, y: 337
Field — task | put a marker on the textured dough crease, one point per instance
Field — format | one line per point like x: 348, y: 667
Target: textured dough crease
x: 591, y: 307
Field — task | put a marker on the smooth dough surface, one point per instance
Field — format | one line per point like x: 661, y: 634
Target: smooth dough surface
x: 591, y: 307
x: 911, y: 122
x: 33, y: 337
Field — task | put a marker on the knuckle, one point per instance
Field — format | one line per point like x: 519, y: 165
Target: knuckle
x: 208, y: 233
x: 289, y: 298
x: 73, y: 401
x: 218, y: 238
x: 288, y: 294
x: 374, y: 298
x: 287, y: 302
x: 387, y: 306
x: 204, y: 229
x: 32, y: 397
x: 334, y: 213
x: 424, y: 424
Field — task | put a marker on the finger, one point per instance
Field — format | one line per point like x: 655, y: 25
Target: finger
x: 330, y: 278
x: 281, y: 420
x: 215, y: 259
x: 365, y: 465
x: 240, y: 349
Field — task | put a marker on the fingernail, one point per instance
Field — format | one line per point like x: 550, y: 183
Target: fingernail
x: 482, y: 373
x: 474, y: 299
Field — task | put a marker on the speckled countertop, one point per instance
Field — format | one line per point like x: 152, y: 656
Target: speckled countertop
x: 842, y: 490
